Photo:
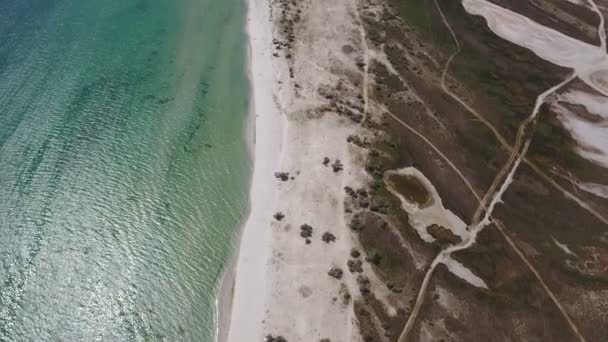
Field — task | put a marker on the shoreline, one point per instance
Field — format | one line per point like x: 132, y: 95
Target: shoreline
x: 225, y: 290
x: 240, y: 293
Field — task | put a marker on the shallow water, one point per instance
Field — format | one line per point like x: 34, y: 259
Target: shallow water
x: 123, y: 166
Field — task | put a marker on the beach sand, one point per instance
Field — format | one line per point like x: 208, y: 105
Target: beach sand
x: 249, y: 282
x: 281, y: 284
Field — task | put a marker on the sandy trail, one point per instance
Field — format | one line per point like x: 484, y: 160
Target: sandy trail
x: 363, y: 37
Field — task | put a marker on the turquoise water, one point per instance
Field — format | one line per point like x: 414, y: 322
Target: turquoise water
x: 123, y: 166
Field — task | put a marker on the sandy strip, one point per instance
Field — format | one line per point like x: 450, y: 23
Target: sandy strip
x: 282, y: 283
x: 250, y: 279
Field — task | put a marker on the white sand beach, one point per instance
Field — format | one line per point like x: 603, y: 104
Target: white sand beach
x: 282, y: 286
x: 250, y: 280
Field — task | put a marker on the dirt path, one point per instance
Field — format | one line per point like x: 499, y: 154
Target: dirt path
x: 363, y: 37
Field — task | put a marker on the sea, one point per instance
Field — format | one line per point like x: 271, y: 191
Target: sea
x: 124, y: 169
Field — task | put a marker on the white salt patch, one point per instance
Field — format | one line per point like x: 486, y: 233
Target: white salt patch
x: 600, y: 190
x: 548, y: 44
x: 464, y: 273
x: 562, y: 246
x: 577, y: 2
x: 594, y: 104
x: 592, y: 139
x: 589, y: 61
